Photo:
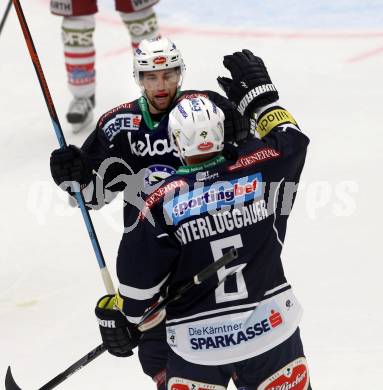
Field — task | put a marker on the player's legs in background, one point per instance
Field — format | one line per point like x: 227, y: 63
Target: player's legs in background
x: 79, y: 52
x: 140, y: 20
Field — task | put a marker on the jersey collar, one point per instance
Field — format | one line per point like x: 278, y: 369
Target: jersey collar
x: 146, y: 113
x: 143, y: 104
x: 201, y: 166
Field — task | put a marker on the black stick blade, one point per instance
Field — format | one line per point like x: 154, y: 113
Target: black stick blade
x: 10, y: 383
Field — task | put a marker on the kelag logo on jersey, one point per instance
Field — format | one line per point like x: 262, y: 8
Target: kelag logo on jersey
x: 152, y: 148
x: 214, y: 197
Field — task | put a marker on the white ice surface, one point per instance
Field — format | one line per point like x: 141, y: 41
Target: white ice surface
x: 329, y: 74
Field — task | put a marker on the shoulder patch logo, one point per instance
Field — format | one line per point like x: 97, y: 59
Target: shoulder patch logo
x: 121, y: 122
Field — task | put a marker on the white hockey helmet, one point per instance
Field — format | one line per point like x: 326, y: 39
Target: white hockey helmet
x: 196, y: 127
x: 157, y: 54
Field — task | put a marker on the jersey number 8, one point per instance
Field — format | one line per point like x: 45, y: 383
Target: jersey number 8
x: 217, y: 248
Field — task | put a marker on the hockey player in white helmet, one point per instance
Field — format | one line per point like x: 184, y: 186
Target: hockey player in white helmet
x: 132, y: 142
x: 77, y: 28
x: 242, y: 324
x: 158, y: 70
x: 196, y: 127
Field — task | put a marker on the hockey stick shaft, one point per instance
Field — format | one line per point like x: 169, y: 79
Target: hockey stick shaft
x: 62, y: 142
x: 5, y: 16
x: 199, y: 278
x: 205, y: 274
x: 10, y: 383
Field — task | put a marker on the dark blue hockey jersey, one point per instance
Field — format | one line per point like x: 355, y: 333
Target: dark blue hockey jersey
x: 240, y: 201
x: 131, y: 152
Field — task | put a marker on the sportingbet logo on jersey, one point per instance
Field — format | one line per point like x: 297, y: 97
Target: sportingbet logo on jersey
x: 121, y: 122
x: 214, y: 197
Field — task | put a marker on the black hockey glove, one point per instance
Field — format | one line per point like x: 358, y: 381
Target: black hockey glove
x: 238, y: 128
x: 70, y: 164
x: 250, y: 87
x: 118, y: 334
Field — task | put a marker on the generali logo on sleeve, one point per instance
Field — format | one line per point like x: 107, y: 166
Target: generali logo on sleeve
x: 294, y: 376
x: 256, y: 157
x: 156, y: 196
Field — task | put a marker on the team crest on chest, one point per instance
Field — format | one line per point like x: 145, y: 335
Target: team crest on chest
x: 156, y: 174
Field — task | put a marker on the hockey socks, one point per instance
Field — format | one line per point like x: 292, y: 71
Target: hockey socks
x: 79, y: 52
x: 141, y: 25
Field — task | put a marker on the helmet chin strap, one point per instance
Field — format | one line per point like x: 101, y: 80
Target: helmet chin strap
x: 175, y: 143
x: 183, y: 160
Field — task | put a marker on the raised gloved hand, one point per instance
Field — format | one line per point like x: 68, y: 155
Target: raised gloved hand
x: 70, y: 164
x: 250, y: 87
x: 118, y: 334
x: 238, y: 128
